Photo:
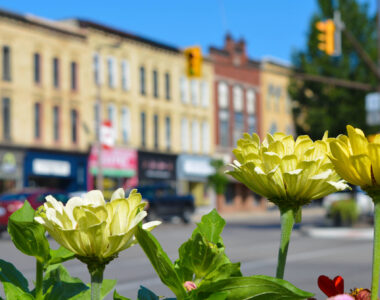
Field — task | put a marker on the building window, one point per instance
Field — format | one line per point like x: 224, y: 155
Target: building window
x: 143, y: 129
x: 205, y: 94
x: 74, y: 126
x: 185, y: 135
x: 6, y: 63
x: 37, y: 121
x: 56, y: 72
x: 126, y: 124
x: 167, y: 86
x: 96, y: 69
x: 111, y: 72
x: 142, y: 81
x: 56, y: 123
x: 252, y: 124
x: 205, y: 137
x: 168, y: 133
x: 239, y: 119
x: 223, y: 95
x: 155, y: 84
x: 125, y: 75
x: 195, y: 137
x: 74, y: 77
x: 194, y: 92
x: 270, y: 94
x: 183, y: 89
x: 37, y: 68
x: 112, y: 116
x: 224, y: 128
x: 156, y: 131
x: 251, y: 102
x: 6, y: 118
x: 278, y: 94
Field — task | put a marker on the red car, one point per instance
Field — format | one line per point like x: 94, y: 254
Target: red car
x: 12, y: 201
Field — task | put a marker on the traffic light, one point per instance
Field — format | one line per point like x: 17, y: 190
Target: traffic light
x: 327, y: 36
x: 193, y: 61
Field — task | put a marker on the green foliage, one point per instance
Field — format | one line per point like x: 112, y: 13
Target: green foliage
x: 258, y: 287
x: 14, y: 283
x: 218, y: 180
x: 344, y: 211
x: 59, y: 255
x: 117, y: 296
x: 202, y: 260
x: 27, y: 235
x: 160, y: 262
x: 146, y: 294
x: 320, y: 106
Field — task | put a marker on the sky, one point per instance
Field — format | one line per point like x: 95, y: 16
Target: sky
x: 272, y: 28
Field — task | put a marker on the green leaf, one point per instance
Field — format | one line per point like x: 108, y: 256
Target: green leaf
x: 59, y: 255
x: 117, y: 296
x: 200, y: 257
x: 146, y: 294
x: 160, y: 262
x: 15, y: 293
x: 27, y: 235
x: 58, y: 284
x: 224, y: 271
x: 11, y: 277
x: 258, y: 287
x: 211, y: 226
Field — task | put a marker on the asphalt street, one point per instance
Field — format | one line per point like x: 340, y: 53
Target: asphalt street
x: 252, y: 240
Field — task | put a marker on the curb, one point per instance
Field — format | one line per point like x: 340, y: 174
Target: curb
x: 343, y: 233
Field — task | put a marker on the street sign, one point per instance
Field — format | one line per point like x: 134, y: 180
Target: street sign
x: 107, y: 135
x: 372, y: 107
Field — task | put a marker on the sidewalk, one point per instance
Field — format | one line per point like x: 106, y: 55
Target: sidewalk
x: 313, y: 223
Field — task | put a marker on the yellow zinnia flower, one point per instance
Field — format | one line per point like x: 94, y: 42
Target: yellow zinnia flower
x: 289, y: 173
x: 93, y: 228
x: 356, y: 159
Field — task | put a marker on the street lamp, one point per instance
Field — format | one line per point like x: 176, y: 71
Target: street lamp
x: 99, y: 175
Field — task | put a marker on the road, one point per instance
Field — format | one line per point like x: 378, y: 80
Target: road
x: 251, y: 240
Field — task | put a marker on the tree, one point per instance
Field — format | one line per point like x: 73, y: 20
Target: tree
x: 219, y: 182
x: 319, y: 106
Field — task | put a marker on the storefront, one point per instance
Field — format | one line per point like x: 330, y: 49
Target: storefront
x: 60, y: 170
x: 11, y: 169
x: 119, y: 168
x: 192, y: 173
x: 156, y: 168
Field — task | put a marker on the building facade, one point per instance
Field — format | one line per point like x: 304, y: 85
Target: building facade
x: 276, y: 108
x: 154, y: 108
x: 237, y: 110
x: 41, y: 96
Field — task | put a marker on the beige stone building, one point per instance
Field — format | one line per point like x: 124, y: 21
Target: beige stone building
x: 276, y: 106
x: 53, y: 77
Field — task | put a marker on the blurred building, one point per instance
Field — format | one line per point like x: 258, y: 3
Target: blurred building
x: 41, y: 94
x: 276, y: 108
x: 237, y: 110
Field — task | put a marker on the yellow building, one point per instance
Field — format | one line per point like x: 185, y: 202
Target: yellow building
x: 276, y: 105
x: 152, y: 105
x: 41, y: 95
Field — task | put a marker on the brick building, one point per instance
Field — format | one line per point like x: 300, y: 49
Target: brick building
x: 237, y: 107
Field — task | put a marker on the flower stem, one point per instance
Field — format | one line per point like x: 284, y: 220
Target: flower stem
x: 376, y: 251
x: 287, y: 222
x: 96, y: 282
x: 39, y: 279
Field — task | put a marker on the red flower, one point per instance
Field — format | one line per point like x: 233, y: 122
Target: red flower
x: 331, y: 287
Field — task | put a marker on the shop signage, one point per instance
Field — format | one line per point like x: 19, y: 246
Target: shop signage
x: 8, y: 163
x: 116, y: 160
x: 156, y: 166
x: 194, y: 167
x: 51, y: 167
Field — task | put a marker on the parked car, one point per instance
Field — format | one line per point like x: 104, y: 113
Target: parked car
x: 363, y: 201
x: 12, y: 201
x: 164, y: 202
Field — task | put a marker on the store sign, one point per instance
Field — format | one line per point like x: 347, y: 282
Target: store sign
x: 156, y: 166
x: 107, y: 135
x: 114, y: 158
x: 194, y: 167
x: 51, y: 167
x: 8, y: 163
